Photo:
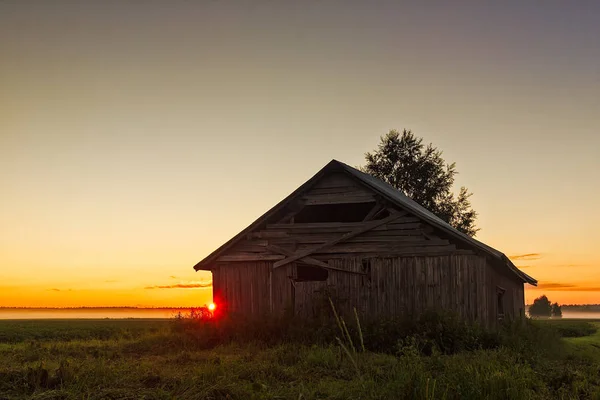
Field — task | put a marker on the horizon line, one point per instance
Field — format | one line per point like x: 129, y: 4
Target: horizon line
x: 96, y: 307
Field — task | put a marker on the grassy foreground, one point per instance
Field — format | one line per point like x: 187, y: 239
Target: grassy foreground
x: 154, y: 359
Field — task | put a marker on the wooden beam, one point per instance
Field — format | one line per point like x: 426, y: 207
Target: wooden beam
x: 336, y: 190
x: 407, y: 227
x: 366, y: 227
x: 429, y: 252
x: 341, y: 225
x: 402, y: 223
x: 311, y: 225
x: 390, y: 239
x: 384, y: 236
x: 256, y: 242
x: 374, y: 211
x: 395, y: 232
x: 268, y: 234
x: 384, y: 247
x: 249, y: 248
x: 250, y: 257
x: 341, y: 198
x: 283, y: 251
x: 309, y: 260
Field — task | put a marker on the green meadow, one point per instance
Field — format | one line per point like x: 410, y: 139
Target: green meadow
x: 179, y: 359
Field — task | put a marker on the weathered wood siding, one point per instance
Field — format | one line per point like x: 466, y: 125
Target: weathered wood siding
x: 252, y: 288
x: 406, y: 286
x: 282, y: 290
x: 463, y: 283
x: 242, y: 287
x: 337, y: 189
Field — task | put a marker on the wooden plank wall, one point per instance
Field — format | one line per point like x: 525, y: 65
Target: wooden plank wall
x: 282, y: 290
x: 311, y: 298
x: 463, y: 283
x: 411, y: 285
x: 243, y: 287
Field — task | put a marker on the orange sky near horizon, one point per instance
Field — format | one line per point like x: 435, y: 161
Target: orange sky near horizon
x: 135, y: 139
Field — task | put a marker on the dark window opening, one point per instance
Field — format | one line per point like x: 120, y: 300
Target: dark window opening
x: 500, y: 298
x: 366, y: 269
x: 306, y: 273
x: 349, y: 212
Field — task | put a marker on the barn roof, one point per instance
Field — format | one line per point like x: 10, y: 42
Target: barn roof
x: 391, y: 194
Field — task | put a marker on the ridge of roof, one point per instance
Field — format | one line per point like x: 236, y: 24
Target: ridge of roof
x: 390, y: 193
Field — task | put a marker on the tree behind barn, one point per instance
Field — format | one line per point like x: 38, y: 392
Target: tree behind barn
x: 422, y: 174
x: 541, y: 307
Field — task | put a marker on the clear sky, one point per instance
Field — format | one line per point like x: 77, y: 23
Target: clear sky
x: 136, y: 137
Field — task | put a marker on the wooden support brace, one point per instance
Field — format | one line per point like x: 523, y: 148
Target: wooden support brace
x: 309, y: 260
x: 374, y: 211
x: 366, y: 227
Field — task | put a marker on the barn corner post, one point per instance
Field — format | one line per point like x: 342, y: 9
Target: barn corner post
x: 381, y: 251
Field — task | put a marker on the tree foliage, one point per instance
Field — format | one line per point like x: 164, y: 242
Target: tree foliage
x: 541, y: 307
x: 404, y: 162
x: 556, y: 310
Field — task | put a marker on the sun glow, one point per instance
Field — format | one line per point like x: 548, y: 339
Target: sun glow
x: 212, y: 306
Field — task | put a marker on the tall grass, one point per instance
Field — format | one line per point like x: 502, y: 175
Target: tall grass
x: 430, y: 333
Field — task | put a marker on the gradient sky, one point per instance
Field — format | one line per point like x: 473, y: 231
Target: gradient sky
x: 136, y: 137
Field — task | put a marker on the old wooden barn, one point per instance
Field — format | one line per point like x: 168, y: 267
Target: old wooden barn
x: 365, y: 243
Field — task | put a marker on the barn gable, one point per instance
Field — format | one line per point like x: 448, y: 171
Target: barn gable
x: 339, y: 213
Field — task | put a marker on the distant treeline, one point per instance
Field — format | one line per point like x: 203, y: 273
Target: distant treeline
x: 577, y: 307
x: 581, y: 307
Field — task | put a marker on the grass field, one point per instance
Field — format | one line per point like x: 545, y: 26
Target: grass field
x: 585, y: 346
x: 156, y: 359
